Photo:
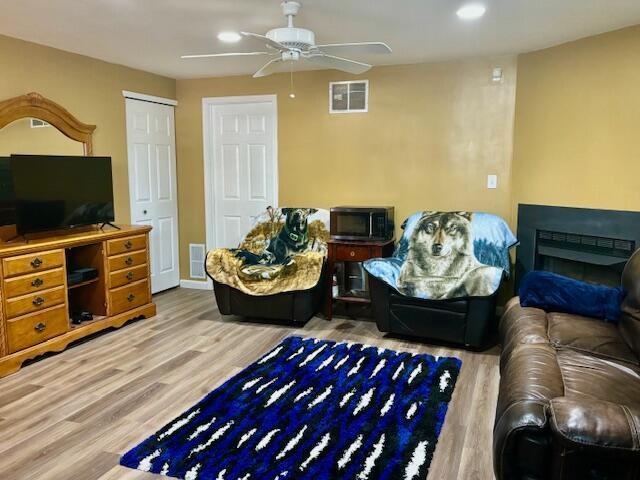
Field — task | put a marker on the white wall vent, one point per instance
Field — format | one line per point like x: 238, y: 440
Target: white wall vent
x: 349, y: 97
x: 37, y: 123
x: 196, y: 260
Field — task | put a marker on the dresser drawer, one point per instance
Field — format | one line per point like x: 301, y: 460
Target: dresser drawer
x: 128, y: 275
x: 32, y: 263
x: 128, y: 297
x: 35, y: 328
x: 35, y: 301
x: 128, y: 244
x: 127, y: 260
x: 34, y: 282
x: 352, y: 253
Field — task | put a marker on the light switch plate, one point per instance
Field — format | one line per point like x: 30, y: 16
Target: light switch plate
x: 492, y: 181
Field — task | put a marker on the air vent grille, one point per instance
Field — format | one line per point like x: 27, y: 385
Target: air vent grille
x: 349, y: 97
x: 196, y: 260
x: 602, y: 245
x: 37, y: 123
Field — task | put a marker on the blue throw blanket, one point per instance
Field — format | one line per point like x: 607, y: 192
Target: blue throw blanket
x: 444, y: 255
x: 556, y: 293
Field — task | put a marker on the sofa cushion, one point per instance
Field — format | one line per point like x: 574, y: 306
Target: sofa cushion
x: 589, y: 335
x: 587, y: 376
x: 595, y: 423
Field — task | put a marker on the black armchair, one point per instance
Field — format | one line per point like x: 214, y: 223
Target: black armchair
x: 465, y: 321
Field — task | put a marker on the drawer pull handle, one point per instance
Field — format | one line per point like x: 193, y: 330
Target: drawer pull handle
x: 352, y: 253
x: 40, y: 327
x: 129, y: 261
x: 128, y: 244
x: 131, y: 297
x: 38, y: 301
x: 36, y: 262
x: 130, y: 276
x: 38, y: 282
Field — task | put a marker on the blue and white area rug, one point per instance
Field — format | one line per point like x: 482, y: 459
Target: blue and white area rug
x: 311, y: 409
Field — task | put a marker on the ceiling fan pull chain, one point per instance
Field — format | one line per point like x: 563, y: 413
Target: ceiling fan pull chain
x: 291, y: 92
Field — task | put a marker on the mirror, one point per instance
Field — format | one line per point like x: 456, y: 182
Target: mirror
x: 36, y: 137
x: 24, y: 129
x: 35, y: 106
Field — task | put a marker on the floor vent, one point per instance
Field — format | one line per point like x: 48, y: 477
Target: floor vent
x: 196, y: 260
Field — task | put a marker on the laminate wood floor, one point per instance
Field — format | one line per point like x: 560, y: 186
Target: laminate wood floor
x: 71, y: 415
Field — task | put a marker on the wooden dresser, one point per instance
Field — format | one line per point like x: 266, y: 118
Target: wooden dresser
x: 36, y: 301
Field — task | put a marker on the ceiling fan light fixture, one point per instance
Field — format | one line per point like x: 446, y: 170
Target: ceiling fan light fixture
x: 229, y: 37
x: 292, y: 44
x: 472, y: 11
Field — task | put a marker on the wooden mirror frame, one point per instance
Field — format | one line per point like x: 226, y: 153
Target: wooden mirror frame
x: 34, y: 105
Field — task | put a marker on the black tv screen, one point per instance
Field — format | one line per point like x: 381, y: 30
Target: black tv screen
x: 59, y: 192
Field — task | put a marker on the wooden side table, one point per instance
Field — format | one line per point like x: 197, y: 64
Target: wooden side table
x: 352, y: 251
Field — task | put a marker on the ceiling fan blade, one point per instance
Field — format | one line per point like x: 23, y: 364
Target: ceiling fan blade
x: 262, y: 40
x: 269, y: 68
x: 355, y: 48
x: 337, y: 63
x: 239, y: 54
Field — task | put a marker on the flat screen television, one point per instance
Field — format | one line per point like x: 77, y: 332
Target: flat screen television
x: 60, y: 192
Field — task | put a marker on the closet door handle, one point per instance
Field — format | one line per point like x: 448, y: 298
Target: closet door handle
x: 38, y: 301
x: 36, y: 262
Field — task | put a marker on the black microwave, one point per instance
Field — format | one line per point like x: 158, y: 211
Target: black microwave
x: 362, y: 223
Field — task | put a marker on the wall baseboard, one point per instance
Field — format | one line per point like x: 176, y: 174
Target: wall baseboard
x: 196, y: 284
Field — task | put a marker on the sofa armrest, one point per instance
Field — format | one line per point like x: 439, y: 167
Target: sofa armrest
x: 521, y: 446
x: 590, y: 423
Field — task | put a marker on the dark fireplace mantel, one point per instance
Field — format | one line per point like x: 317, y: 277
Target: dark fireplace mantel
x: 587, y: 244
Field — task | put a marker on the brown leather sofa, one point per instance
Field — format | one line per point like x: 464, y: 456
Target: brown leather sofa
x: 569, y: 401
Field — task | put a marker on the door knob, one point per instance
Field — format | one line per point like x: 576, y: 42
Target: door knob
x: 144, y: 212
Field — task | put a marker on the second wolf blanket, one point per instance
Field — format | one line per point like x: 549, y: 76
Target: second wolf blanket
x: 445, y: 255
x: 283, y: 252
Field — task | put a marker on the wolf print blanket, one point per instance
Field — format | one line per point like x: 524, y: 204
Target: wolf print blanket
x: 283, y: 252
x: 445, y: 255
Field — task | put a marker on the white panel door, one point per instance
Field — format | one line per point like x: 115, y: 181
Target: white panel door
x: 152, y: 185
x: 243, y: 178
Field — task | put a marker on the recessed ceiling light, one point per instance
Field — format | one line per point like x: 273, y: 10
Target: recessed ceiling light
x: 229, y: 37
x: 471, y: 11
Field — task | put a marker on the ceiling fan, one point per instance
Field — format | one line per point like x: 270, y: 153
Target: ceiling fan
x: 293, y: 44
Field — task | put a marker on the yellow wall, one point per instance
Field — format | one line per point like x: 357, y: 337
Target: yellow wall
x: 577, y: 129
x: 432, y: 135
x: 90, y: 89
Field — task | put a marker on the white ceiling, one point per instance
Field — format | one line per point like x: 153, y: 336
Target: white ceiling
x: 152, y: 34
